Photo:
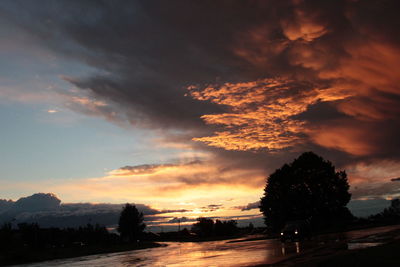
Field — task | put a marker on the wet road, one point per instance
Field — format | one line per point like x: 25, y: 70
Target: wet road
x: 214, y: 253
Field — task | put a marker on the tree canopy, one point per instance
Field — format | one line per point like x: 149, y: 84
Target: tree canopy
x: 130, y: 224
x: 207, y: 227
x: 309, y: 188
x: 203, y: 227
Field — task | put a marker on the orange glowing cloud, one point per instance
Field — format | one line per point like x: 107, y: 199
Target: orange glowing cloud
x: 352, y: 139
x: 260, y: 112
x: 373, y: 70
x: 302, y: 25
x: 357, y: 71
x: 374, y: 64
x: 180, y: 176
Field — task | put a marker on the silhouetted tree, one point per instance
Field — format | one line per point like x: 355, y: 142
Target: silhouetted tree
x: 224, y: 228
x: 207, y: 227
x: 203, y: 227
x: 130, y: 224
x: 185, y: 232
x: 307, y: 188
x: 250, y: 227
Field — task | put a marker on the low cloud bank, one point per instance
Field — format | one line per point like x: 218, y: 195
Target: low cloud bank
x: 48, y: 211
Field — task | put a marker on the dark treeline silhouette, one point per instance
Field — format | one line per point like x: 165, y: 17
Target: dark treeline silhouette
x: 308, y: 189
x: 32, y: 236
x: 390, y: 215
x: 207, y: 227
x: 27, y: 242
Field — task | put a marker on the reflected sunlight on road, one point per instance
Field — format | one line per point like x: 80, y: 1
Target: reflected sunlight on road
x: 215, y: 253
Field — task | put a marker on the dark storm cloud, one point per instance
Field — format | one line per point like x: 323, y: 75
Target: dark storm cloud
x: 148, y: 52
x: 5, y: 204
x: 37, y: 202
x: 149, y: 55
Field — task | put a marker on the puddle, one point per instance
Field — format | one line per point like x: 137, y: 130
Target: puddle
x: 352, y: 246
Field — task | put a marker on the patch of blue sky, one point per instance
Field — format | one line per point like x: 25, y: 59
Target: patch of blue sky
x: 36, y: 149
x: 38, y: 145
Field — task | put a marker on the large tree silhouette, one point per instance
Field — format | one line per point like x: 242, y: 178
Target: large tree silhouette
x: 130, y: 224
x: 307, y: 188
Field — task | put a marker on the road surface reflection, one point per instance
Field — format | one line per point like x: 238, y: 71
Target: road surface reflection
x: 215, y: 253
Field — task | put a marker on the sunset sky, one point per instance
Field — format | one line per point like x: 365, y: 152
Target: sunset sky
x: 189, y: 105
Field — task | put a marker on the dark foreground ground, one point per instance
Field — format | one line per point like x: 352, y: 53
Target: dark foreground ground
x: 333, y: 249
x: 31, y: 255
x: 384, y: 255
x: 374, y: 250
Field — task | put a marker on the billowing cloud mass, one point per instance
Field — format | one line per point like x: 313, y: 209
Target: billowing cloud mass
x: 48, y: 211
x: 37, y: 202
x: 249, y: 83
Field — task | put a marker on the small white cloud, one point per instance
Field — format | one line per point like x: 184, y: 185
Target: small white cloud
x: 52, y: 111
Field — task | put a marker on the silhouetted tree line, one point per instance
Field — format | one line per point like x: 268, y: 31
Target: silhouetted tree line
x: 207, y: 227
x: 390, y: 215
x: 32, y: 236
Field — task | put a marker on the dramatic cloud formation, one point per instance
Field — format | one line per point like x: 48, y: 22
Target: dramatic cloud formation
x: 330, y: 58
x: 262, y: 112
x: 250, y: 83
